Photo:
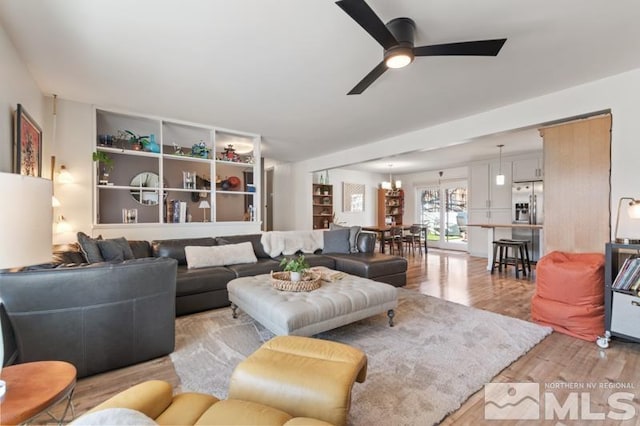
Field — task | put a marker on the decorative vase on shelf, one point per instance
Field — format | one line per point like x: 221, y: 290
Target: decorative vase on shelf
x: 152, y: 145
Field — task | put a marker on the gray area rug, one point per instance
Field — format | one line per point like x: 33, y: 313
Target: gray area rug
x: 438, y: 354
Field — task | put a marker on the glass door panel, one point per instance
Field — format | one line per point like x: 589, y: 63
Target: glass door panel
x: 443, y: 210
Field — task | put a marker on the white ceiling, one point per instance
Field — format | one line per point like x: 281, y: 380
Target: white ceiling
x: 515, y: 143
x: 282, y: 68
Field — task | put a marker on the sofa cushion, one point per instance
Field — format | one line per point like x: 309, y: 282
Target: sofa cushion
x: 263, y: 266
x: 254, y: 239
x: 116, y: 249
x: 89, y: 247
x: 370, y: 265
x: 336, y: 241
x: 194, y: 281
x: 230, y: 254
x: 175, y: 248
x: 353, y: 235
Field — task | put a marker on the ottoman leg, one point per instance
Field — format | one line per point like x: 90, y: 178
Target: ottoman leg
x: 391, y: 314
x: 234, y: 309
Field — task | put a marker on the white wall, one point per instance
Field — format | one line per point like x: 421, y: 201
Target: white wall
x: 337, y: 177
x: 17, y: 87
x: 620, y: 94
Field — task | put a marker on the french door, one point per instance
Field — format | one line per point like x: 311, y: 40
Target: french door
x: 443, y: 210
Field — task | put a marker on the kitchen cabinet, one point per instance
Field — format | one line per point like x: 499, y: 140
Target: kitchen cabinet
x: 177, y: 167
x: 528, y: 169
x: 488, y: 202
x: 483, y: 191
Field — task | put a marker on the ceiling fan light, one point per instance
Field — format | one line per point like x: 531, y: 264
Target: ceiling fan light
x: 398, y: 56
x: 398, y: 61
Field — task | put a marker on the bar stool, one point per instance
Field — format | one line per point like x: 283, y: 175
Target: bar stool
x: 519, y: 253
x: 526, y: 251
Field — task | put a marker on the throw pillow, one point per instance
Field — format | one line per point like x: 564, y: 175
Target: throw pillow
x: 89, y: 247
x: 336, y: 241
x: 230, y: 254
x: 239, y: 253
x: 116, y: 417
x: 110, y: 251
x: 115, y: 249
x: 203, y: 256
x: 353, y: 235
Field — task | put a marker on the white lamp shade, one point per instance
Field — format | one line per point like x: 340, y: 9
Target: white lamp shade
x: 385, y: 185
x: 398, y: 184
x: 204, y: 204
x: 25, y: 219
x: 500, y: 180
x: 634, y: 210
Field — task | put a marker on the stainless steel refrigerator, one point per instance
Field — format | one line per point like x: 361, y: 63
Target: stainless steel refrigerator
x: 527, y: 201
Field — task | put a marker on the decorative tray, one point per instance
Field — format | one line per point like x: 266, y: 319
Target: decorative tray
x: 281, y: 281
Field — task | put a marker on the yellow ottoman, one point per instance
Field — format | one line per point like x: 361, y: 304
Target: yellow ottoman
x: 302, y: 376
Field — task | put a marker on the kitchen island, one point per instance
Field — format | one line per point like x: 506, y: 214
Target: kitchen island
x: 491, y: 231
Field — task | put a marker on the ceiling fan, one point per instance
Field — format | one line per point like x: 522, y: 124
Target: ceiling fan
x: 396, y: 37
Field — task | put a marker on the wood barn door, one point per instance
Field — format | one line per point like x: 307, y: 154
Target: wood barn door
x: 577, y: 188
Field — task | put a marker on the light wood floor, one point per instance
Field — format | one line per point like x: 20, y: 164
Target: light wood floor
x: 463, y: 279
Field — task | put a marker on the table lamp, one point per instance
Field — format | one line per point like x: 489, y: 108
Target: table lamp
x: 633, y: 210
x: 204, y: 204
x: 26, y: 217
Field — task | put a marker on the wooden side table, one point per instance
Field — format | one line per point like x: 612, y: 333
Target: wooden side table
x: 35, y: 387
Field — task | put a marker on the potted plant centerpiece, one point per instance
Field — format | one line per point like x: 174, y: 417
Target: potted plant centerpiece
x: 295, y: 267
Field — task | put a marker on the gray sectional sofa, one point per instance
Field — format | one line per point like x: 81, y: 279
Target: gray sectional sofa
x: 106, y: 315
x: 206, y: 288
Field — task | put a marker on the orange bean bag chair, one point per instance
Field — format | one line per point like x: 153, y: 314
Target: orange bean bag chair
x: 570, y: 294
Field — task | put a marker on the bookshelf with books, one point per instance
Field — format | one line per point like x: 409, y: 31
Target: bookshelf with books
x: 622, y: 287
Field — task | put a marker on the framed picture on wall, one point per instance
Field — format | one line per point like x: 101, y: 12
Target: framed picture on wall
x: 27, y: 144
x: 352, y: 197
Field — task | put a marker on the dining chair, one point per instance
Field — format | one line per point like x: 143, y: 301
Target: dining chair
x: 414, y: 238
x: 394, y: 239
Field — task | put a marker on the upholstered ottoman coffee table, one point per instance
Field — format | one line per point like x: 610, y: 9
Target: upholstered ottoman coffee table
x: 332, y: 305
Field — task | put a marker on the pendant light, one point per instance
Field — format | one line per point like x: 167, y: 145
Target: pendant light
x: 500, y: 176
x: 390, y: 184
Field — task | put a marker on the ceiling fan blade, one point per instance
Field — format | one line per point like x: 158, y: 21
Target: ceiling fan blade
x: 369, y: 79
x: 367, y: 19
x: 467, y: 48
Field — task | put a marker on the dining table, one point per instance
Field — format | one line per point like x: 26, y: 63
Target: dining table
x: 491, y: 235
x: 383, y: 230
